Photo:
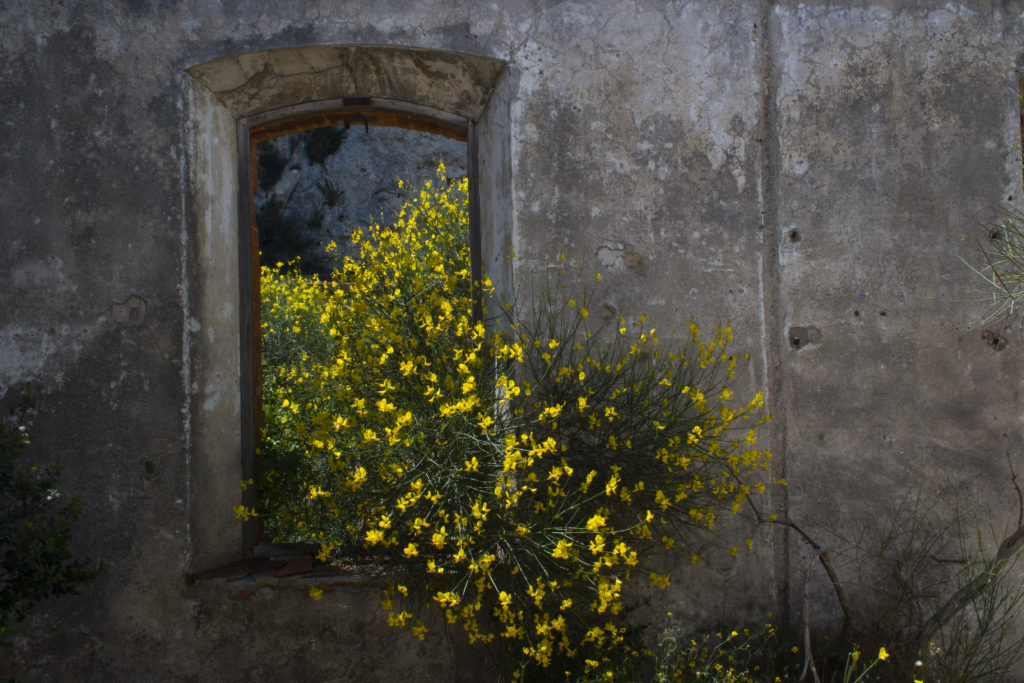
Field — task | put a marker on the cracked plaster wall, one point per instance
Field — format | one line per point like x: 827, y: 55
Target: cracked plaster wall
x: 774, y: 165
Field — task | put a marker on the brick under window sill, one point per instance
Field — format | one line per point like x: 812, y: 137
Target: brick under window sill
x: 289, y: 568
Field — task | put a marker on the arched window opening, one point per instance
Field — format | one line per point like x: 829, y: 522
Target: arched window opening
x: 311, y: 187
x: 230, y: 103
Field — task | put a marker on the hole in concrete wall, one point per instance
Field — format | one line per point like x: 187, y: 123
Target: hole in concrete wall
x: 634, y: 261
x: 794, y: 236
x: 800, y: 336
x: 996, y: 340
x: 132, y: 310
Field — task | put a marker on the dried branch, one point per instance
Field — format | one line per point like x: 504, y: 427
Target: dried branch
x: 1016, y: 487
x: 822, y: 556
x: 808, y: 655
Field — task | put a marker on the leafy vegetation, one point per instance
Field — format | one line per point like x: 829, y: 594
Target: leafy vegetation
x: 35, y: 528
x: 515, y: 473
x: 999, y: 264
x: 531, y: 477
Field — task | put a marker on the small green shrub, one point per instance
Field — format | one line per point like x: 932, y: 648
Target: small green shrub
x: 724, y: 656
x: 943, y: 605
x: 35, y: 529
x: 755, y: 655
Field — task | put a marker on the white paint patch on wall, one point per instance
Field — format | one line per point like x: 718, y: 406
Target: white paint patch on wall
x: 45, y: 274
x: 25, y: 349
x: 24, y: 352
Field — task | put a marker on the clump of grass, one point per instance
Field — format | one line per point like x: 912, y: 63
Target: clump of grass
x: 999, y: 262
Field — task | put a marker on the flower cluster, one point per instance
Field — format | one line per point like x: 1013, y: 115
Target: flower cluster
x: 513, y: 471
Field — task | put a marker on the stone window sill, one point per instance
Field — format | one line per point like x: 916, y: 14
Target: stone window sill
x: 290, y: 567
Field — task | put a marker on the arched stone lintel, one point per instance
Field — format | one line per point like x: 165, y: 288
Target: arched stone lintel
x: 253, y: 83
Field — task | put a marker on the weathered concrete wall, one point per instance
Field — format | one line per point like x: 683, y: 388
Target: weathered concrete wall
x: 777, y: 165
x: 896, y: 135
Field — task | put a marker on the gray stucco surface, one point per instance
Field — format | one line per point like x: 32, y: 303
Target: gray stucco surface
x: 773, y: 165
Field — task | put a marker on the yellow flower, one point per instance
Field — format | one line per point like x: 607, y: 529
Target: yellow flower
x: 561, y: 550
x: 315, y: 593
x: 480, y: 510
x: 243, y: 513
x: 660, y: 580
x: 317, y: 492
x: 612, y: 485
x: 882, y: 654
x: 552, y: 412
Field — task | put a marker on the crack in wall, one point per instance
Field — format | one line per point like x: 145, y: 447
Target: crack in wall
x: 186, y: 313
x: 768, y: 36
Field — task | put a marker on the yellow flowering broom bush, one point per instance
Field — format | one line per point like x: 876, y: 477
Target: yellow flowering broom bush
x: 513, y: 472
